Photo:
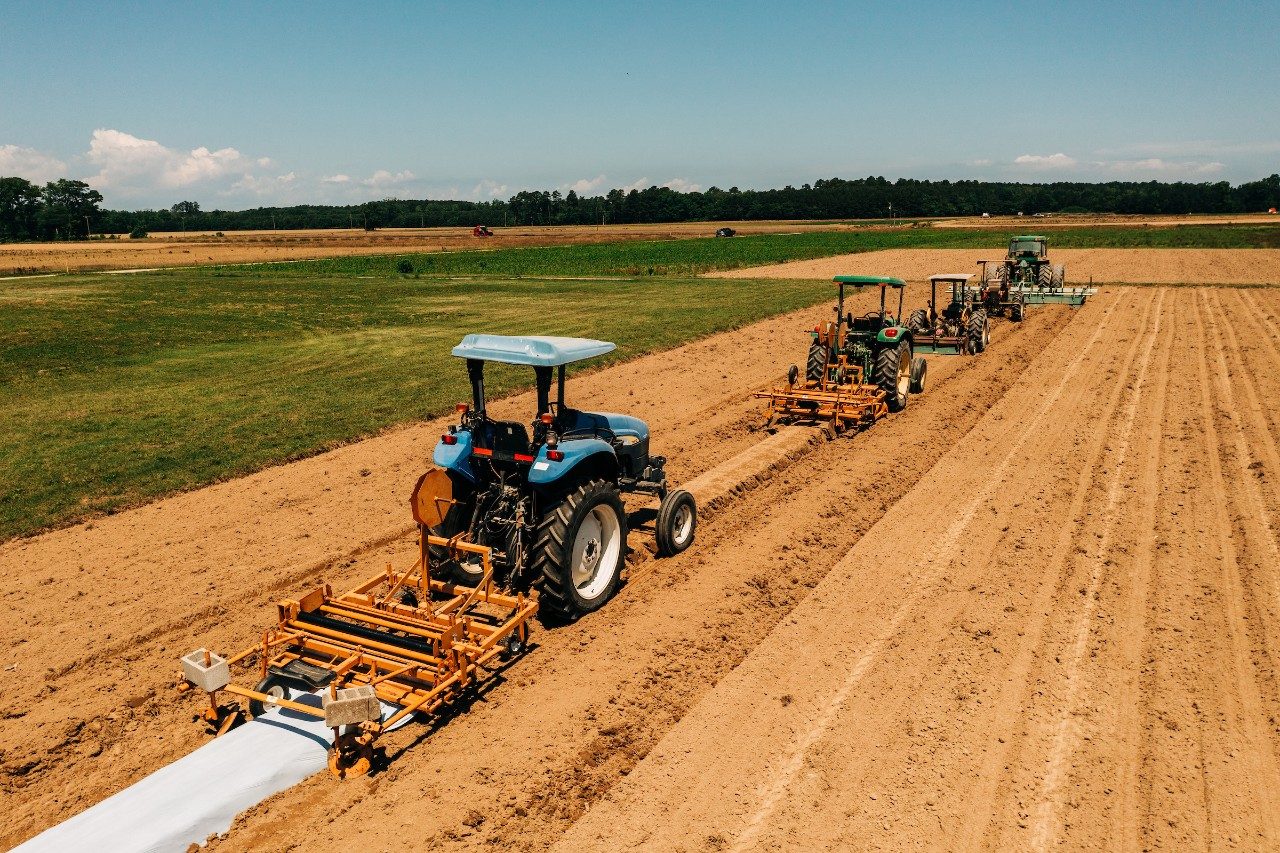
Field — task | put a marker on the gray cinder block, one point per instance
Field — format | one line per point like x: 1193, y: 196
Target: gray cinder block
x: 215, y: 676
x: 351, y: 705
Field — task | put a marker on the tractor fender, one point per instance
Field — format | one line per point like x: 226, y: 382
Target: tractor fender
x: 900, y: 333
x: 594, y: 456
x: 455, y: 457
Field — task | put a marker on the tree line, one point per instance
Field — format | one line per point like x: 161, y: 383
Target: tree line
x: 68, y: 209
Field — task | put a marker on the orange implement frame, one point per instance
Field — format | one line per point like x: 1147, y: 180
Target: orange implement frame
x: 416, y: 651
x: 841, y: 397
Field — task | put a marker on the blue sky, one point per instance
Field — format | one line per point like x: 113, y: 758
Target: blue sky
x: 241, y: 104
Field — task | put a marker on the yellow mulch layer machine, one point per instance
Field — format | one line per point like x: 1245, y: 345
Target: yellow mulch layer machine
x: 859, y: 368
x: 402, y: 637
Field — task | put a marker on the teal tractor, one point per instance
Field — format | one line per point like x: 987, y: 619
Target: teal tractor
x: 877, y: 343
x: 545, y: 498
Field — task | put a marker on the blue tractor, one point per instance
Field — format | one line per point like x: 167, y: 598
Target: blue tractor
x: 546, y: 498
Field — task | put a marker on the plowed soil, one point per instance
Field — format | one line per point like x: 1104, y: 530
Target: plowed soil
x: 1119, y: 266
x: 1037, y: 608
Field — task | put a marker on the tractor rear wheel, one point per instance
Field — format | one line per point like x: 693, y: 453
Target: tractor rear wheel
x: 1044, y: 276
x: 918, y: 321
x: 893, y: 374
x: 979, y: 330
x: 817, y: 362
x: 1059, y: 276
x: 579, y: 552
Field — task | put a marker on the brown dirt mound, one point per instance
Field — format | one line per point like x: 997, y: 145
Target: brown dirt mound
x: 1119, y: 266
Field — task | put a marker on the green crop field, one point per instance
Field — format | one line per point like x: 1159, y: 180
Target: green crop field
x: 117, y: 389
x: 693, y: 256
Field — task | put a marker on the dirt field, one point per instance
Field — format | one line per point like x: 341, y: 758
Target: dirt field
x: 1113, y: 266
x: 1040, y: 607
x: 1031, y: 224
x: 169, y: 249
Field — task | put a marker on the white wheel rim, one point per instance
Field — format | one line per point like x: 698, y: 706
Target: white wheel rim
x: 595, y: 547
x: 274, y: 693
x: 683, y: 525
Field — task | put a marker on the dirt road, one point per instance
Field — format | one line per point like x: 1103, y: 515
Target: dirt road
x: 1037, y: 608
x: 1122, y: 266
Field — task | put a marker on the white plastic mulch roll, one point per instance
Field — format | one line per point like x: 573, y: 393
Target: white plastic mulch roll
x: 200, y: 794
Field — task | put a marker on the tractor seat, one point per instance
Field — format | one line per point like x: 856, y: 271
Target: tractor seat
x: 867, y: 324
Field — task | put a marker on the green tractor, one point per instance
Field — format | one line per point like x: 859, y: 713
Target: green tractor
x: 1026, y: 276
x: 877, y: 345
x: 961, y: 326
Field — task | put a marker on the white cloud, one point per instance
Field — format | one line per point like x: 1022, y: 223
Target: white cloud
x: 680, y: 185
x: 642, y: 184
x: 383, y: 178
x: 35, y: 166
x: 982, y: 161
x: 1156, y: 164
x: 489, y: 189
x: 1045, y: 161
x: 336, y: 179
x: 265, y: 185
x: 586, y: 186
x: 127, y: 162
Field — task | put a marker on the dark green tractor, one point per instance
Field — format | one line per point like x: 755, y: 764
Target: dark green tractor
x: 874, y: 349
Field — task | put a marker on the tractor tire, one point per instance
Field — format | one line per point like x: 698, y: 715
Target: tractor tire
x: 579, y: 552
x: 979, y: 330
x: 918, y: 321
x: 817, y: 362
x: 272, y: 685
x: 455, y: 521
x: 1044, y: 276
x: 1015, y: 312
x: 677, y: 522
x: 893, y: 374
x: 919, y: 370
x: 1059, y: 276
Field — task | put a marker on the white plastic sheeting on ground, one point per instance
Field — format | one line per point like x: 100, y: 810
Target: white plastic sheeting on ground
x: 201, y: 793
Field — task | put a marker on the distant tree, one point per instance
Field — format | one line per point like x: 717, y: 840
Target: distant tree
x: 185, y: 208
x: 65, y: 206
x: 137, y: 233
x: 19, y: 206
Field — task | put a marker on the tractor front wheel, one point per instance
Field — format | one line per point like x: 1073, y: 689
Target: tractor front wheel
x: 1015, y: 312
x: 979, y: 330
x: 676, y: 524
x: 893, y: 374
x: 579, y: 552
x: 919, y: 369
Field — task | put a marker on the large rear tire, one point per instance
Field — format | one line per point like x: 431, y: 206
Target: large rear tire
x: 817, y: 362
x: 918, y: 321
x: 579, y: 552
x: 893, y: 374
x: 1059, y: 276
x: 1044, y: 276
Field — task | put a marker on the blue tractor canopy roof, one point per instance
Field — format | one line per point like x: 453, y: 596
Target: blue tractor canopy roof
x: 530, y: 350
x: 860, y: 280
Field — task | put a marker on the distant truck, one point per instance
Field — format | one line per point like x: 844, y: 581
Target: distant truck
x: 725, y: 232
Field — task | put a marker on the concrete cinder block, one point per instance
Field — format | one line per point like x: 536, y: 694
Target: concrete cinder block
x: 351, y: 705
x: 214, y: 676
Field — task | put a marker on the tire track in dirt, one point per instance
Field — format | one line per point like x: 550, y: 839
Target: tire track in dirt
x: 781, y: 777
x: 1067, y: 733
x: 1012, y: 700
x: 1244, y: 706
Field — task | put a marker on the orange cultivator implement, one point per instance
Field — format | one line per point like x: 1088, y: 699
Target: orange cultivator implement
x: 840, y: 396
x: 403, y: 638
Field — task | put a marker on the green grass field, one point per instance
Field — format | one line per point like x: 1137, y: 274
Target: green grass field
x: 117, y: 389
x: 690, y: 257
